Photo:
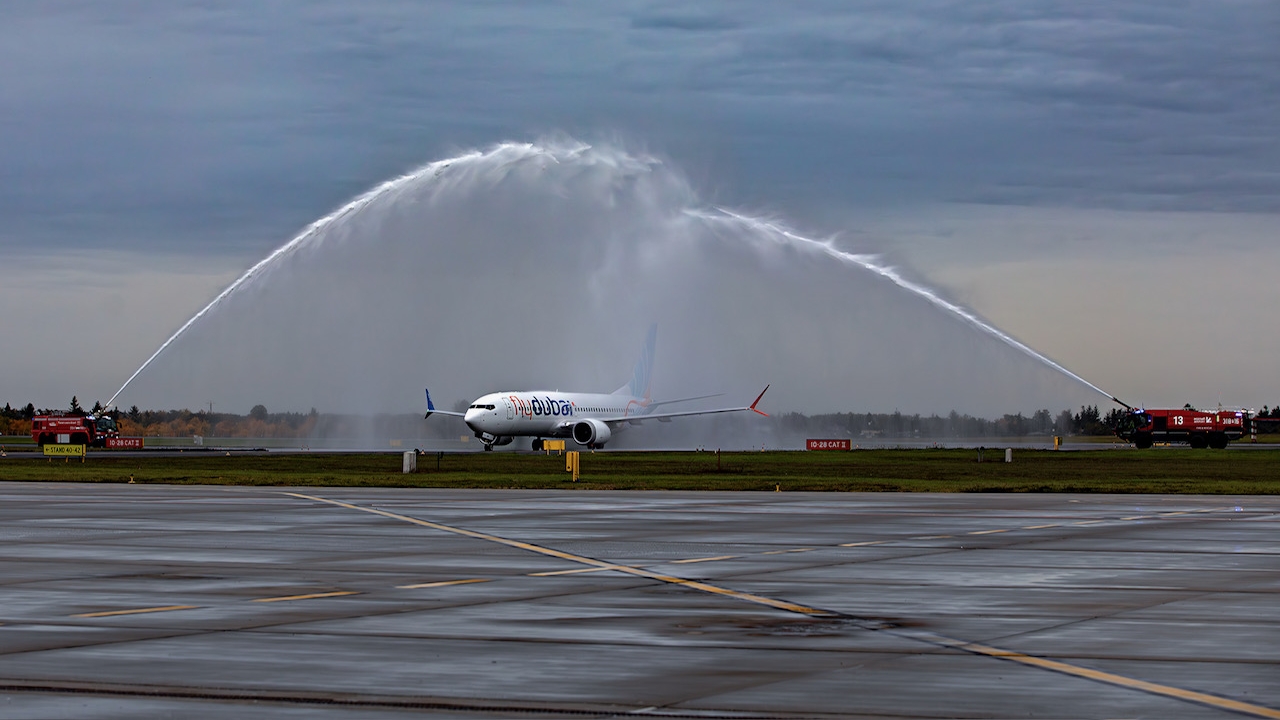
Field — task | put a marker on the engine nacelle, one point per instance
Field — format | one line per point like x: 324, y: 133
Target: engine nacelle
x: 591, y: 432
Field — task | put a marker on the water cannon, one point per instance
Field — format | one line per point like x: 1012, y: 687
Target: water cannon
x: 1126, y: 405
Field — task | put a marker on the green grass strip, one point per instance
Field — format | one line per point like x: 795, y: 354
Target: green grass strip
x: 1178, y: 470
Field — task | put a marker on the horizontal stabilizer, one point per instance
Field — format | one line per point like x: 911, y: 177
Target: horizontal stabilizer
x: 431, y: 408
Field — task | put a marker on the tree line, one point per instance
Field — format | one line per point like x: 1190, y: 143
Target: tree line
x: 260, y: 423
x: 1088, y: 420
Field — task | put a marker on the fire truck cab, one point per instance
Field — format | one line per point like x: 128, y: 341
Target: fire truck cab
x: 73, y: 429
x: 1197, y: 428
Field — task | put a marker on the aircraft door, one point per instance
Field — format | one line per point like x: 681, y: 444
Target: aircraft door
x: 511, y: 409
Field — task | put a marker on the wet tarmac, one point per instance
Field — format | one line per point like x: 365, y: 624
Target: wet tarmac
x: 213, y: 602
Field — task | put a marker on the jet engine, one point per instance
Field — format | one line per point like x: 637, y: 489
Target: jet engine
x: 591, y: 433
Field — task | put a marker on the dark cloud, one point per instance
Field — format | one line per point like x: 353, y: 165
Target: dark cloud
x: 687, y: 21
x: 188, y: 127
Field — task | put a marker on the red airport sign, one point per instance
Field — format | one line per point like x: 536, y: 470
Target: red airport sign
x: 812, y: 444
x: 124, y: 443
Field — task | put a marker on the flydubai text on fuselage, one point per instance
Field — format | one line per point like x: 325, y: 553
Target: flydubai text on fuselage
x: 546, y: 413
x: 588, y: 418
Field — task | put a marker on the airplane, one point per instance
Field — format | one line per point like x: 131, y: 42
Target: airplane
x: 588, y: 419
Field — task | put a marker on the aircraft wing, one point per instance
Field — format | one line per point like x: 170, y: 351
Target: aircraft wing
x: 431, y: 409
x: 654, y: 406
x: 663, y: 417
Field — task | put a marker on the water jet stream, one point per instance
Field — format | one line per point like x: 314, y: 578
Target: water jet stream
x: 869, y: 262
x: 477, y: 172
x: 311, y: 234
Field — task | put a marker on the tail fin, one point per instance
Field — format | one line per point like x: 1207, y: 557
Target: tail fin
x: 643, y: 375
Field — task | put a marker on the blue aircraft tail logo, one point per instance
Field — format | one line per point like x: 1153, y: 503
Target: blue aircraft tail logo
x: 643, y: 375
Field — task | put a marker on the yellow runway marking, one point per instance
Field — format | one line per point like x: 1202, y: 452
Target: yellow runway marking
x: 966, y: 646
x: 628, y: 569
x: 138, y: 611
x: 577, y: 571
x: 1039, y: 527
x: 784, y: 552
x: 1110, y: 678
x: 934, y: 537
x: 312, y: 596
x: 988, y: 532
x: 860, y: 544
x: 1135, y: 517
x: 442, y: 583
x: 708, y: 559
x: 1088, y: 522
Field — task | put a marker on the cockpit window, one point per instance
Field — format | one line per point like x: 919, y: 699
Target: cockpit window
x: 481, y: 407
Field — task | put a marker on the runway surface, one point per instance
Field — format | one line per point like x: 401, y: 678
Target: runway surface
x: 214, y: 602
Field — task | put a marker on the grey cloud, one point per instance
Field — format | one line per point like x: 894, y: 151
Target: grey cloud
x: 204, y: 128
x: 686, y: 21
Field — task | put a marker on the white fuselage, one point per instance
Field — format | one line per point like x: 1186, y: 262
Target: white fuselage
x: 545, y: 413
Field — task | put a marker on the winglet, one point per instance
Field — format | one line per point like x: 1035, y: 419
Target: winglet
x: 757, y: 402
x: 430, y: 405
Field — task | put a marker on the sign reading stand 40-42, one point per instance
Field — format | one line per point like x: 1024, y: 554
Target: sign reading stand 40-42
x: 52, y: 450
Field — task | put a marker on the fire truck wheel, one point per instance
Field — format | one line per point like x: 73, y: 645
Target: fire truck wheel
x: 1218, y: 441
x: 1142, y: 441
x: 1198, y: 442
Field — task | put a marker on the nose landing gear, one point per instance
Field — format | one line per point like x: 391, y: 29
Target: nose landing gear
x: 490, y: 440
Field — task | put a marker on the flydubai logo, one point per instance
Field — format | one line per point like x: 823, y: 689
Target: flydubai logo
x: 541, y: 407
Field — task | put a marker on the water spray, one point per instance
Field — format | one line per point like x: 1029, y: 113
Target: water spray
x: 870, y: 262
x: 489, y: 167
x: 306, y: 237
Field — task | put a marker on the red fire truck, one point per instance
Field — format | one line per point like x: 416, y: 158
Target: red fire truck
x: 1197, y: 428
x: 63, y: 428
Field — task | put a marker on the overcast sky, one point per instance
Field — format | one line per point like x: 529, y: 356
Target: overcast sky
x: 1102, y: 180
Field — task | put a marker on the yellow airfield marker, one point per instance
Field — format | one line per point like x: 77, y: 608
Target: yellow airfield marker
x: 576, y: 571
x: 136, y: 611
x: 703, y: 559
x: 312, y: 596
x: 442, y: 583
x: 1106, y: 677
